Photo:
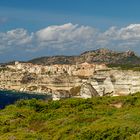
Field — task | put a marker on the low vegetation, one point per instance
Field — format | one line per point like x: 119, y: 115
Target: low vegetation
x: 99, y: 118
x: 9, y: 97
x: 125, y: 66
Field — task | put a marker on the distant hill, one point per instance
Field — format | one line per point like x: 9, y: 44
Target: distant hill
x: 96, y: 56
x: 109, y: 57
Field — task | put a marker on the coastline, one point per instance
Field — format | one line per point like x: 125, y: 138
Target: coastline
x: 8, y: 97
x: 24, y: 92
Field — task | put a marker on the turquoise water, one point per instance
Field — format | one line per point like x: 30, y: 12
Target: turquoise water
x: 9, y: 97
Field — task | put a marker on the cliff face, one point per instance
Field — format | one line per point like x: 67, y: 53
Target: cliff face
x: 99, y: 56
x: 63, y: 81
x: 116, y: 82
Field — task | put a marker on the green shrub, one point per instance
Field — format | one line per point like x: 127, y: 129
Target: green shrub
x: 54, y: 105
x: 84, y: 119
x: 134, y: 136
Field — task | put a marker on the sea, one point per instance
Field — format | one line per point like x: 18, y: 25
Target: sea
x: 10, y: 97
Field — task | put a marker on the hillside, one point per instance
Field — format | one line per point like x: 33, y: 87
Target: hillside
x: 98, y: 118
x: 99, y: 56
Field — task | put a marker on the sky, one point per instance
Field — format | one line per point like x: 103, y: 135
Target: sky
x: 35, y: 28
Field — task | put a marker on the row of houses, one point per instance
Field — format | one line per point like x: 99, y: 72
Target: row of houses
x: 83, y: 69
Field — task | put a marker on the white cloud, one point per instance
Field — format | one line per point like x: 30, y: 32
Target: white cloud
x: 14, y: 38
x: 56, y: 33
x: 70, y: 38
x: 65, y: 35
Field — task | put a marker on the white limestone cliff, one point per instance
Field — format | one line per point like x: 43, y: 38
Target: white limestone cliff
x: 58, y: 80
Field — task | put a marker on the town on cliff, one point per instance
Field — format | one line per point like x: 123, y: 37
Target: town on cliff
x: 83, y: 80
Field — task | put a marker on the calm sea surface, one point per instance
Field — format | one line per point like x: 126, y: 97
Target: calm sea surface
x: 9, y: 97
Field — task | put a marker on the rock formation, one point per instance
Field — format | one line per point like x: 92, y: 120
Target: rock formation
x: 99, y: 56
x: 88, y: 91
x: 116, y: 82
x: 83, y: 80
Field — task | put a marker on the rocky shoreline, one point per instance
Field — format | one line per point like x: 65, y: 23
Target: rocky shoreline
x: 69, y: 81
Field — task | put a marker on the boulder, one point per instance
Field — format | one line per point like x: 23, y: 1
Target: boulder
x: 88, y: 91
x: 59, y: 94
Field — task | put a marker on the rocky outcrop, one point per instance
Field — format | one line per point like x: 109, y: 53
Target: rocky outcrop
x: 116, y: 82
x: 88, y: 91
x: 64, y: 81
x: 99, y: 56
x: 60, y: 94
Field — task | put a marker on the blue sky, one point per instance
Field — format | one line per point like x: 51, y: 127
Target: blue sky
x: 35, y: 15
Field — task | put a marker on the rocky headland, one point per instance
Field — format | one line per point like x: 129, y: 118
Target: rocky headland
x: 81, y: 77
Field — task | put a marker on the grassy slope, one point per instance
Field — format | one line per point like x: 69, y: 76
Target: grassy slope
x: 125, y: 66
x: 72, y: 119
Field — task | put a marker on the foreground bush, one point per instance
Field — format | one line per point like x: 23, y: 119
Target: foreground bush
x: 98, y: 118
